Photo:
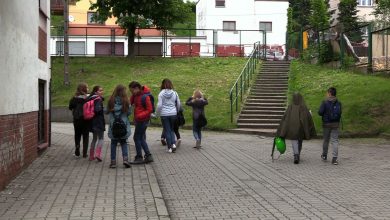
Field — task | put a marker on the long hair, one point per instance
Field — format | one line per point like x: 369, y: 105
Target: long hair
x: 120, y: 91
x: 166, y: 84
x: 95, y: 89
x: 82, y: 89
x: 197, y: 94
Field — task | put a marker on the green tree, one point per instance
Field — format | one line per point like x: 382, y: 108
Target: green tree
x: 319, y: 16
x: 382, y: 12
x: 299, y: 12
x: 141, y: 14
x: 348, y: 19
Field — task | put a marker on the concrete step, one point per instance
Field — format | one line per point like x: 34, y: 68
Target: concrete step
x: 262, y: 112
x: 254, y: 93
x: 263, y: 132
x: 280, y: 97
x: 251, y: 100
x: 269, y: 90
x: 270, y: 76
x: 282, y: 70
x: 275, y: 104
x: 258, y: 126
x: 259, y: 120
x: 260, y: 116
x: 266, y: 108
x: 271, y: 82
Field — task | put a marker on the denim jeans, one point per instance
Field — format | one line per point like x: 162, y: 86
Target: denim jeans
x: 168, y: 123
x: 140, y: 138
x: 331, y: 134
x: 114, y: 143
x: 197, y: 131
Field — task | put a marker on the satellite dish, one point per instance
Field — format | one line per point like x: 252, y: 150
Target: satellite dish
x: 71, y: 18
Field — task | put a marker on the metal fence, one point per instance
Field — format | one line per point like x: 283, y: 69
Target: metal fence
x: 360, y: 48
x: 113, y: 41
x: 242, y: 84
x: 381, y: 50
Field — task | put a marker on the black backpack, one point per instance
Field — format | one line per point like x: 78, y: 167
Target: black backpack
x: 334, y: 111
x: 143, y: 100
x: 118, y: 127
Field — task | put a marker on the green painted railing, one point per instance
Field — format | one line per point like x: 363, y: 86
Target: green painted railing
x: 242, y: 83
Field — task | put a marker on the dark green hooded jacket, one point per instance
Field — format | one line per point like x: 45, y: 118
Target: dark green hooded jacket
x: 297, y: 123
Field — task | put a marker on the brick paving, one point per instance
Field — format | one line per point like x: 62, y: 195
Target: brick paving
x: 231, y: 177
x: 59, y: 185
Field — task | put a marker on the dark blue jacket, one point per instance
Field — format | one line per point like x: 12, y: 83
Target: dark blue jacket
x: 324, y: 111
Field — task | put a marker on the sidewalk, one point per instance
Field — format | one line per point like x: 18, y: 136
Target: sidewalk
x: 59, y: 185
x: 231, y: 177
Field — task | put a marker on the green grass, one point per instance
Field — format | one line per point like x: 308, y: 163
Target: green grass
x: 214, y: 76
x: 365, y: 98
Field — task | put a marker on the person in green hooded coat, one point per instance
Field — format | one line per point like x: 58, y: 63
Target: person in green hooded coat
x: 296, y: 125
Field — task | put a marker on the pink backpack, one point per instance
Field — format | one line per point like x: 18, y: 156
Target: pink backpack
x: 89, y: 109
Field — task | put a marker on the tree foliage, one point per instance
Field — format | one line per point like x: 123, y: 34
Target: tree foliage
x: 319, y: 16
x: 132, y: 14
x: 382, y: 12
x: 299, y: 13
x: 347, y: 16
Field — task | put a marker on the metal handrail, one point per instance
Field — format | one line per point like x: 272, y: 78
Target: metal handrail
x: 243, y: 80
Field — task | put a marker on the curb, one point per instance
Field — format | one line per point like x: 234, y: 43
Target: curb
x: 162, y: 210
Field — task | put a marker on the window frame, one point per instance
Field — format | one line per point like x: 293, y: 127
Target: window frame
x: 265, y: 22
x: 359, y: 3
x: 89, y: 21
x: 231, y: 22
x: 220, y: 6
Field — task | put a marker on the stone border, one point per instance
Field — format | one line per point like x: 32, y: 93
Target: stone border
x: 162, y: 210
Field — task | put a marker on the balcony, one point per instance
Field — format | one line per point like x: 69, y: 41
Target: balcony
x: 57, y: 6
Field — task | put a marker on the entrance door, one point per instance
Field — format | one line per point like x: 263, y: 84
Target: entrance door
x: 41, y: 112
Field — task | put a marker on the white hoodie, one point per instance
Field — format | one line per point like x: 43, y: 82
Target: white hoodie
x: 168, y: 103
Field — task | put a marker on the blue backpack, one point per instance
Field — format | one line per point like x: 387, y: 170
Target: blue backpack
x: 334, y: 111
x: 143, y: 100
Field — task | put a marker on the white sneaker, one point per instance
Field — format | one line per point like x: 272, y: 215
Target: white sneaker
x: 178, y: 142
x: 173, y: 147
x: 169, y: 150
x: 197, y: 145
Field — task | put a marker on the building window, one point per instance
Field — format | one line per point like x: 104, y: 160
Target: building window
x: 229, y: 25
x: 42, y: 45
x: 265, y: 26
x: 365, y: 2
x: 219, y: 3
x: 91, y: 18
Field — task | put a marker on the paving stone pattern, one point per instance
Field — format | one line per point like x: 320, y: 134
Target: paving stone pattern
x: 60, y: 186
x: 233, y: 177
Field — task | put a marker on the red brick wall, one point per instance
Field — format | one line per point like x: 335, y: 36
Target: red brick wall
x: 18, y: 143
x: 42, y: 50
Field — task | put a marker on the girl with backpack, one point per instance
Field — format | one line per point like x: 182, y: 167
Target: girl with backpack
x: 97, y: 124
x: 119, y: 130
x: 79, y: 124
x: 167, y: 106
x: 197, y: 102
x: 296, y: 125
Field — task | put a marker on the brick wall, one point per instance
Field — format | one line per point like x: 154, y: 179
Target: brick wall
x: 42, y: 50
x: 18, y: 143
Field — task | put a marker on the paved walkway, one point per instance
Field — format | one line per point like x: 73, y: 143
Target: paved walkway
x: 231, y: 177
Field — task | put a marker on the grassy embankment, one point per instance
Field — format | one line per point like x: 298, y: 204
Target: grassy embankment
x: 365, y: 98
x: 214, y: 76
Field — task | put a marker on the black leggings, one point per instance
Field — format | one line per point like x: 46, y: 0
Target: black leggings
x: 81, y: 129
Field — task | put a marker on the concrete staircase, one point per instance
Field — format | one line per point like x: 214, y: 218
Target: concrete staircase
x: 266, y: 102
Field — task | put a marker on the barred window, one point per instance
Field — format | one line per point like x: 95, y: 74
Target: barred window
x: 229, y: 25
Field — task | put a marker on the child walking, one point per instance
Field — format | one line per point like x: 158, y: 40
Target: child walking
x: 119, y: 130
x: 197, y: 102
x: 97, y: 124
x: 296, y: 125
x: 79, y: 124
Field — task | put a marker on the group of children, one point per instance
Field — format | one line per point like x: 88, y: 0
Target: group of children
x: 119, y: 108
